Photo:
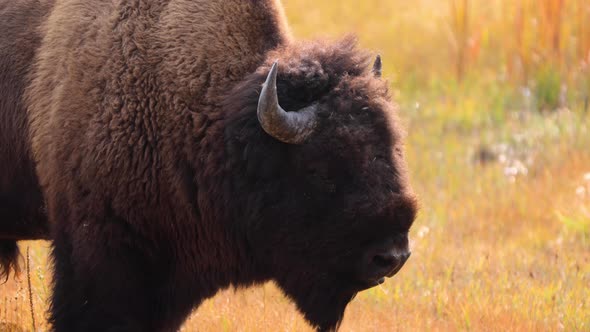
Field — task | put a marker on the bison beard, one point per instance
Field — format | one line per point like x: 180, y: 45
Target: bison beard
x: 322, y: 303
x: 172, y: 148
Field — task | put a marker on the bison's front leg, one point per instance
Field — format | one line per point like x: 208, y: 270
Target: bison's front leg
x: 105, y: 279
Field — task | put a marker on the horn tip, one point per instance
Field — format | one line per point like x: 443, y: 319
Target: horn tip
x: 274, y: 65
x: 273, y: 69
x: 377, y: 66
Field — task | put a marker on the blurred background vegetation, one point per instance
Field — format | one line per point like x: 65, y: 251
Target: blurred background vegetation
x: 494, y: 95
x: 506, y: 55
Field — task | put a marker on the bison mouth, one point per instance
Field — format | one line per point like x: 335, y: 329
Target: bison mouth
x: 322, y: 297
x: 366, y: 284
x: 378, y: 264
x: 373, y: 282
x: 378, y: 281
x: 374, y: 278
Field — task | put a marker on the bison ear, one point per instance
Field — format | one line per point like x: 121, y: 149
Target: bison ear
x: 377, y: 66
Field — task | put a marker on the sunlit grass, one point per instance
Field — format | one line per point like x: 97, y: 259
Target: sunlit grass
x: 502, y: 241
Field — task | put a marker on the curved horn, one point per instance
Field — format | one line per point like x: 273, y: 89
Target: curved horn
x: 377, y: 66
x: 288, y: 127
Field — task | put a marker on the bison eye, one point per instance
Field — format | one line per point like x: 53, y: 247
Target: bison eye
x: 321, y: 179
x: 312, y: 171
x: 380, y: 157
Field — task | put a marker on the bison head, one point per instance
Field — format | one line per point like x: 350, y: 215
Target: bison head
x: 319, y: 178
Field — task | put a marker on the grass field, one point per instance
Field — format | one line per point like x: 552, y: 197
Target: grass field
x: 495, y: 98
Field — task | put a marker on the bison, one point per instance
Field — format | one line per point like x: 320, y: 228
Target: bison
x: 172, y: 148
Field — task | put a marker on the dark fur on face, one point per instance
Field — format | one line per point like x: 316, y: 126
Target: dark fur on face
x: 310, y: 210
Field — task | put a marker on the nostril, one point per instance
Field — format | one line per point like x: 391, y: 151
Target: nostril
x: 384, y: 260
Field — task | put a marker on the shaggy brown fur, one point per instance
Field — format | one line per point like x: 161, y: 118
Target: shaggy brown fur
x: 22, y: 214
x: 160, y: 185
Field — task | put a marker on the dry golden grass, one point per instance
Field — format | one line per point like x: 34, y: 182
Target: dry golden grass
x: 501, y: 244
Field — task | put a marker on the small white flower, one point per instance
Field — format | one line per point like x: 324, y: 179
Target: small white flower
x: 423, y: 231
x: 559, y: 240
